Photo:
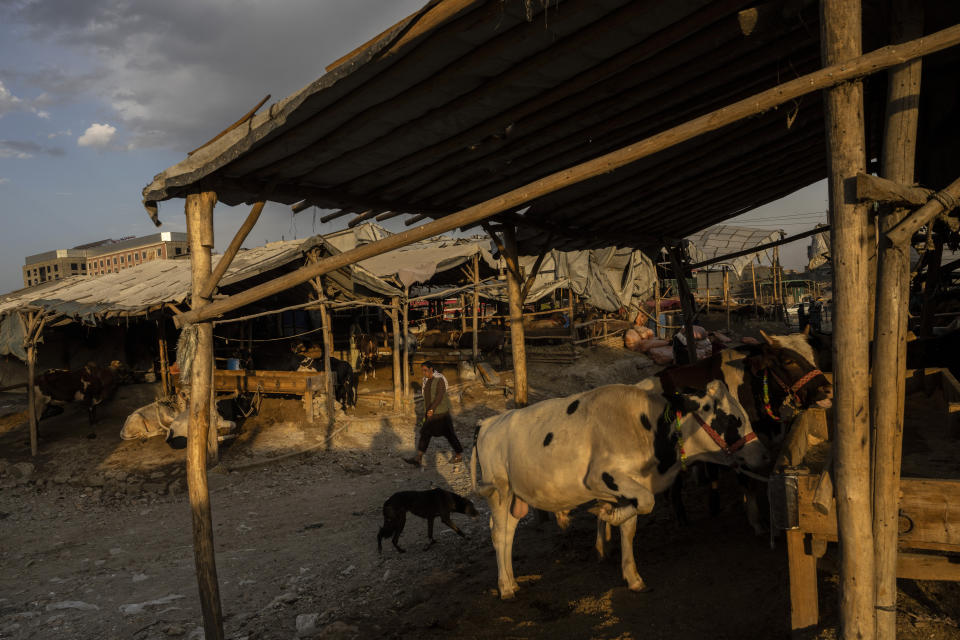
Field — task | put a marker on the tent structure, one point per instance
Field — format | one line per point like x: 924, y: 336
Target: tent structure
x: 581, y: 124
x: 723, y: 239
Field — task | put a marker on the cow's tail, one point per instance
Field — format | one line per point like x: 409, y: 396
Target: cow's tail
x: 484, y: 489
x: 473, y: 467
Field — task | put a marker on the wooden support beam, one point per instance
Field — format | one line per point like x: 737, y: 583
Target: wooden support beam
x: 533, y: 272
x: 892, y: 294
x: 199, y: 212
x: 397, y: 383
x: 840, y: 38
x: 406, y: 349
x: 827, y: 77
x: 30, y: 346
x: 804, y: 606
x: 333, y: 216
x: 366, y: 215
x: 224, y: 263
x: 164, y: 364
x: 386, y: 215
x: 476, y: 306
x: 415, y: 219
x: 872, y: 188
x: 934, y: 258
x: 686, y: 301
x: 514, y: 292
x: 942, y: 202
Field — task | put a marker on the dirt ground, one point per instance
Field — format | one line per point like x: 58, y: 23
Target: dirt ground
x: 95, y: 539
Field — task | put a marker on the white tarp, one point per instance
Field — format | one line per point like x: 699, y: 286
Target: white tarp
x: 722, y: 239
x: 12, y: 335
x: 609, y: 279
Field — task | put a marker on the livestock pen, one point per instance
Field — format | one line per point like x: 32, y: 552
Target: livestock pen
x: 619, y: 124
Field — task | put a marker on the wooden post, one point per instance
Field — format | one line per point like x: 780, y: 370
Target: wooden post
x: 406, y: 351
x: 726, y: 295
x: 327, y: 332
x: 476, y: 307
x: 656, y: 304
x: 397, y: 383
x: 707, y: 279
x: 934, y: 258
x: 514, y: 291
x: 199, y: 212
x: 31, y: 348
x: 463, y: 313
x: 164, y: 365
x: 573, y: 327
x: 804, y: 607
x: 686, y: 302
x: 893, y: 291
x: 840, y: 27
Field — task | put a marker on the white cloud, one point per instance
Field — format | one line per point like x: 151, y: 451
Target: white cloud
x: 65, y: 132
x: 97, y: 136
x: 150, y: 55
x: 10, y: 103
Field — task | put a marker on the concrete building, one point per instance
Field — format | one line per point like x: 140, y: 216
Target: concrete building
x: 104, y: 256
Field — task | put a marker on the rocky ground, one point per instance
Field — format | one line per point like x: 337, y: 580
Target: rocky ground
x: 95, y: 541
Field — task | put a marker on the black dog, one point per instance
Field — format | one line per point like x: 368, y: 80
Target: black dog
x: 436, y: 503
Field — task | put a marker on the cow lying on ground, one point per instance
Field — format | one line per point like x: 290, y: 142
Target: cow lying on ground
x: 617, y: 444
x: 169, y: 418
x: 90, y: 386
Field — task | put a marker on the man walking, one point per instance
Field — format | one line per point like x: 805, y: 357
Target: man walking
x: 437, y: 420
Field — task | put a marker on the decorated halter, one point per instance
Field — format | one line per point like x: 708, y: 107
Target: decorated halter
x: 727, y: 449
x: 791, y: 390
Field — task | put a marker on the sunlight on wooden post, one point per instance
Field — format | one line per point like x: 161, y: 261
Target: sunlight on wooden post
x: 840, y: 26
x: 199, y: 212
x: 892, y: 294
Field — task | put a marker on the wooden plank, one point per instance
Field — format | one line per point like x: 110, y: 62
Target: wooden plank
x: 759, y: 103
x: 917, y: 566
x: 930, y: 513
x: 892, y: 294
x: 872, y: 188
x: 804, y: 608
x: 397, y: 384
x: 199, y: 213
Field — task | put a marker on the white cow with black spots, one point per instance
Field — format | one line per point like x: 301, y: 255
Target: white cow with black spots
x: 618, y: 444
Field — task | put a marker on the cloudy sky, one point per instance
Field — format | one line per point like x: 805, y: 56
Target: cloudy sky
x: 97, y: 96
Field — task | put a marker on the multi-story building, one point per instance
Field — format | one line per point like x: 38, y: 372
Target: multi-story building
x: 104, y: 256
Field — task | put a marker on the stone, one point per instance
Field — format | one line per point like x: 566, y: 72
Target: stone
x: 174, y: 630
x: 72, y: 604
x: 155, y: 487
x: 339, y: 630
x: 22, y: 470
x: 156, y: 475
x: 61, y: 478
x: 307, y: 625
x: 285, y: 598
x: 95, y: 480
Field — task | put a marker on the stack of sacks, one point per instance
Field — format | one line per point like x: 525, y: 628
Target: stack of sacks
x: 642, y: 339
x: 701, y: 340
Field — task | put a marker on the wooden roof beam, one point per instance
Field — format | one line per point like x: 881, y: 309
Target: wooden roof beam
x: 790, y: 90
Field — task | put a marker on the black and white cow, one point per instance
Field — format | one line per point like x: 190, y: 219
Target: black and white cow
x: 618, y: 444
